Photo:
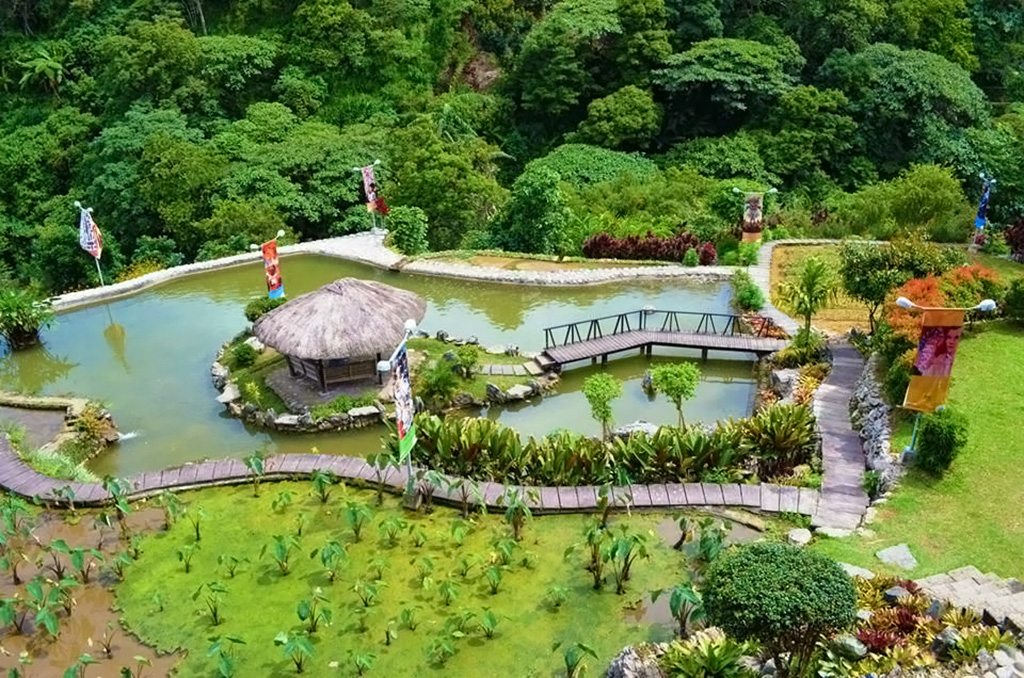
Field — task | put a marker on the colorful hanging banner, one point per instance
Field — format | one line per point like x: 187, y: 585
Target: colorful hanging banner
x: 370, y: 188
x: 982, y: 217
x: 404, y: 407
x: 89, y: 236
x: 940, y: 336
x: 272, y: 268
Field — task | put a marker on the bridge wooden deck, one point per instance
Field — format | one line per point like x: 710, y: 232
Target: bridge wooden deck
x: 637, y: 339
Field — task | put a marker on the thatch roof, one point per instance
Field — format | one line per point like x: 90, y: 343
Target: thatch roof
x: 346, y: 319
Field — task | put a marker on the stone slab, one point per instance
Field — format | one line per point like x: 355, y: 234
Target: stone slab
x: 732, y: 494
x: 751, y: 495
x: 659, y: 495
x: 676, y: 494
x: 641, y: 496
x: 694, y: 494
x: 713, y: 495
x: 789, y: 499
x: 549, y: 499
x: 586, y: 495
x: 770, y: 498
x: 807, y: 503
x: 567, y: 498
x: 898, y: 555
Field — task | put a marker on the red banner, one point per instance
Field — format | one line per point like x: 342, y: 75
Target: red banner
x: 272, y: 267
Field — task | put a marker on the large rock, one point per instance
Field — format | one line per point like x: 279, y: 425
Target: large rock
x: 784, y: 383
x: 520, y: 392
x: 898, y: 555
x: 893, y: 595
x: 799, y: 536
x: 495, y: 394
x: 627, y: 430
x: 287, y: 421
x: 945, y: 641
x: 463, y: 399
x: 855, y: 571
x: 362, y: 412
x: 256, y: 344
x: 637, y: 662
x: 498, y: 349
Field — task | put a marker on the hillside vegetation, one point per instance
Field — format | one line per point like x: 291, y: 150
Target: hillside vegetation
x: 197, y: 127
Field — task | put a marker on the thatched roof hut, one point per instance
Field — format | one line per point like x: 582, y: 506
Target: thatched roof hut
x: 339, y: 332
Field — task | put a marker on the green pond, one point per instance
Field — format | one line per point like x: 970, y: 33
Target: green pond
x: 147, y: 357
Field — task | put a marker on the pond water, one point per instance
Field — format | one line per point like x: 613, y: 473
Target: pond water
x: 147, y: 357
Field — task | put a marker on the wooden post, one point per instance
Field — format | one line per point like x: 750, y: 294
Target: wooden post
x: 650, y: 347
x: 322, y: 373
x: 604, y: 359
x: 704, y: 354
x: 380, y: 375
x: 593, y: 361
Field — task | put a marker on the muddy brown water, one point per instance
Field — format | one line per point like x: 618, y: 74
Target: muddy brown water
x: 92, y: 617
x: 41, y: 426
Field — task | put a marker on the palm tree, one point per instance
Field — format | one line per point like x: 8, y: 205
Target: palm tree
x: 815, y: 288
x: 44, y: 67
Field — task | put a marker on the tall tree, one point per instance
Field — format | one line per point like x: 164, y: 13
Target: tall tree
x: 815, y: 288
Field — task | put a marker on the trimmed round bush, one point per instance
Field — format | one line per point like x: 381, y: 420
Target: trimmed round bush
x: 257, y: 308
x: 243, y: 355
x: 783, y: 596
x: 941, y: 436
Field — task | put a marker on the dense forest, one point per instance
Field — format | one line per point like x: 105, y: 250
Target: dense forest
x: 197, y: 127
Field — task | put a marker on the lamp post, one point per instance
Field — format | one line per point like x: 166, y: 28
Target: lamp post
x: 985, y: 306
x: 253, y: 247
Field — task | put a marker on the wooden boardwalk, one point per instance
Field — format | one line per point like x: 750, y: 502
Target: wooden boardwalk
x: 637, y: 339
x: 16, y: 476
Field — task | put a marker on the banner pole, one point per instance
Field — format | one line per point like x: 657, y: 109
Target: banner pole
x: 909, y: 449
x: 97, y: 260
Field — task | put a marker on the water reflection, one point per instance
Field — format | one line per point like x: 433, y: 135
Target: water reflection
x: 159, y: 384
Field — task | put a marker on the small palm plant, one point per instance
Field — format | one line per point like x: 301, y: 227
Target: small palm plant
x: 815, y: 288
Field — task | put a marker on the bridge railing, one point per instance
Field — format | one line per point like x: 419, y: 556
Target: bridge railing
x: 651, y: 320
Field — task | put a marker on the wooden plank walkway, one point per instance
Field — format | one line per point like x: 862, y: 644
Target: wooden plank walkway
x: 626, y: 341
x: 19, y: 478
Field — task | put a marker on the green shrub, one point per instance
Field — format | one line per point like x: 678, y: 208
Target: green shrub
x: 243, y: 355
x: 22, y: 316
x: 437, y: 383
x: 707, y: 655
x: 407, y: 230
x: 783, y: 596
x: 1013, y: 300
x: 748, y: 253
x: 780, y: 438
x: 807, y: 348
x: 341, y: 404
x: 872, y: 484
x: 466, y: 359
x: 897, y: 378
x: 750, y: 298
x: 691, y: 258
x: 940, y: 437
x: 257, y: 308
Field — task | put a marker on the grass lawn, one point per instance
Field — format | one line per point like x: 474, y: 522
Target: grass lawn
x: 845, y: 314
x: 433, y: 349
x: 973, y: 515
x: 848, y: 313
x: 157, y: 600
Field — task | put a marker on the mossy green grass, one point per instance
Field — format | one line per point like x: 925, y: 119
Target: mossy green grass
x: 260, y: 601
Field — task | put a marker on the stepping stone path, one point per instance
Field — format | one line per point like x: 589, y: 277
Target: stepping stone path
x: 898, y: 555
x: 997, y: 599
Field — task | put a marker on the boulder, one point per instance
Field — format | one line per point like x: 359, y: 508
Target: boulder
x: 784, y: 383
x: 498, y: 349
x: 472, y: 341
x: 893, y: 595
x: 626, y: 430
x: 850, y: 647
x: 799, y: 536
x: 855, y: 571
x: 898, y: 555
x: 495, y: 394
x: 946, y: 640
x: 441, y: 335
x: 864, y: 615
x: 256, y: 344
x: 519, y: 392
x: 986, y: 662
x: 637, y: 662
x: 287, y: 421
x: 449, y: 356
x: 647, y: 383
x: 363, y: 412
x: 511, y: 350
x: 463, y: 399
x: 229, y: 394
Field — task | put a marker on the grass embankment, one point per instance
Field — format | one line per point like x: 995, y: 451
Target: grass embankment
x: 433, y: 349
x: 252, y: 380
x: 157, y: 595
x: 848, y: 313
x: 972, y: 516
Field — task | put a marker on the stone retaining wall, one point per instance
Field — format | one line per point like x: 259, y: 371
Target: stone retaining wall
x: 871, y: 416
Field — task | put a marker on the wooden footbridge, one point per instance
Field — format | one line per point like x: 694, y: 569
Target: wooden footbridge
x: 647, y: 328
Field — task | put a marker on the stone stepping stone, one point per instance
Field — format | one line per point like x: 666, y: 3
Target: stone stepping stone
x: 898, y: 555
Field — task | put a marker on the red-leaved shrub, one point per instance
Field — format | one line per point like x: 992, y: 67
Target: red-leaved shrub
x: 708, y: 255
x: 650, y: 247
x: 1014, y: 236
